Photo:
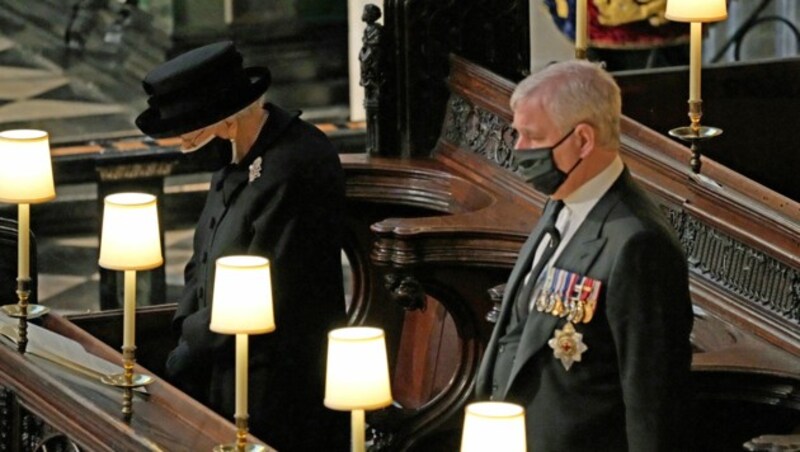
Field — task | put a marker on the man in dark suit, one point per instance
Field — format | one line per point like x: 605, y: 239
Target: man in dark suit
x: 593, y: 335
x: 279, y: 194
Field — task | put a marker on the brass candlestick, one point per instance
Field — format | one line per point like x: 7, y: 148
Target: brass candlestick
x: 241, y: 444
x: 127, y: 380
x: 694, y: 133
x: 24, y: 311
x: 695, y: 13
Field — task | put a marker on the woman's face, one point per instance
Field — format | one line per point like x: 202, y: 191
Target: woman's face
x: 194, y: 140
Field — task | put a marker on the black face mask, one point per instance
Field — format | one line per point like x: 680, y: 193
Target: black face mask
x: 539, y: 169
x: 214, y: 156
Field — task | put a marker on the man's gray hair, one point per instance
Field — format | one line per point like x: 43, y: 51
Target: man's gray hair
x: 576, y: 91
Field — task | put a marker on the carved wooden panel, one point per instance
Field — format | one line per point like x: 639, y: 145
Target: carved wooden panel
x: 745, y: 271
x: 475, y: 129
x: 23, y: 431
x: 6, y: 418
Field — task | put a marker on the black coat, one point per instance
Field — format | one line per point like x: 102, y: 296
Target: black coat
x: 291, y: 212
x: 629, y: 389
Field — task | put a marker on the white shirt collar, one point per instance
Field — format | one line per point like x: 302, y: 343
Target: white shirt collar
x: 577, y: 207
x: 582, y: 200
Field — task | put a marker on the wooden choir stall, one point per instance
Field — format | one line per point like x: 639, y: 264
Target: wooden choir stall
x: 436, y: 215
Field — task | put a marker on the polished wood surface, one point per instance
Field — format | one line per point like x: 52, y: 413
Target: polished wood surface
x: 88, y: 413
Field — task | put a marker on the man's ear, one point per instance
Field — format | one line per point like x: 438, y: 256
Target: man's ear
x: 587, y: 137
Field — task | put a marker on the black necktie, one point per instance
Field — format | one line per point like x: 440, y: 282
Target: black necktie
x: 549, y: 229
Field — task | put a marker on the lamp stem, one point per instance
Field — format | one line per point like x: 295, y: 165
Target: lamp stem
x: 129, y: 311
x: 357, y: 430
x: 23, y: 230
x: 23, y: 292
x: 228, y: 11
x: 23, y: 272
x: 240, y: 414
x: 241, y: 375
x: 241, y: 433
x: 581, y: 29
x: 695, y: 60
x: 128, y: 361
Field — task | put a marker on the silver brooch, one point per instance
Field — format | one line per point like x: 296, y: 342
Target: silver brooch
x: 255, y: 169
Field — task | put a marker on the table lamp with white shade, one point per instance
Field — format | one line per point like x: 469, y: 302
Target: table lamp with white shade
x: 26, y: 177
x: 242, y: 305
x: 695, y: 12
x: 357, y: 376
x: 494, y: 426
x: 130, y: 240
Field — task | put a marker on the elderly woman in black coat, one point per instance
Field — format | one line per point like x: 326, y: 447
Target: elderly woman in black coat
x: 280, y: 194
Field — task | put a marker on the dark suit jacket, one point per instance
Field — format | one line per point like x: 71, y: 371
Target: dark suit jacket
x: 292, y: 214
x: 628, y: 390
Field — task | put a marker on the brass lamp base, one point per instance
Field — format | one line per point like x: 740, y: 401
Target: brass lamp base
x: 127, y: 380
x: 241, y: 444
x: 24, y: 311
x: 693, y: 135
x: 128, y: 383
x: 34, y: 311
x: 120, y: 381
x: 232, y: 447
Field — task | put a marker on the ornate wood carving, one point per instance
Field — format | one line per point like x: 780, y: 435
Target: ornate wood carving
x: 23, y: 431
x: 749, y: 273
x: 32, y: 430
x: 6, y: 419
x: 406, y: 291
x: 135, y: 171
x: 371, y: 58
x: 475, y: 129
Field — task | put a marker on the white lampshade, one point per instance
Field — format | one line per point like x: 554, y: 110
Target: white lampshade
x: 357, y: 376
x: 26, y: 172
x: 130, y: 239
x: 696, y: 10
x: 496, y: 426
x: 242, y: 302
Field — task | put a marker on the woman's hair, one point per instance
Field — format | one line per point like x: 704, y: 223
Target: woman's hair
x: 576, y: 91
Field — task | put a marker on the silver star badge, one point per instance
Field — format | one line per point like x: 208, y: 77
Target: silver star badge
x: 567, y: 345
x: 255, y: 169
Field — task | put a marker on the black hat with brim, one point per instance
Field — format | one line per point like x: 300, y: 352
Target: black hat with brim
x: 199, y: 88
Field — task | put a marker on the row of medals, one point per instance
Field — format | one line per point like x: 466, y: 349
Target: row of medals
x: 574, y: 308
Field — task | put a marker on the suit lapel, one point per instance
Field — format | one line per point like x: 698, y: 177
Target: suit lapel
x: 521, y: 267
x: 577, y: 256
